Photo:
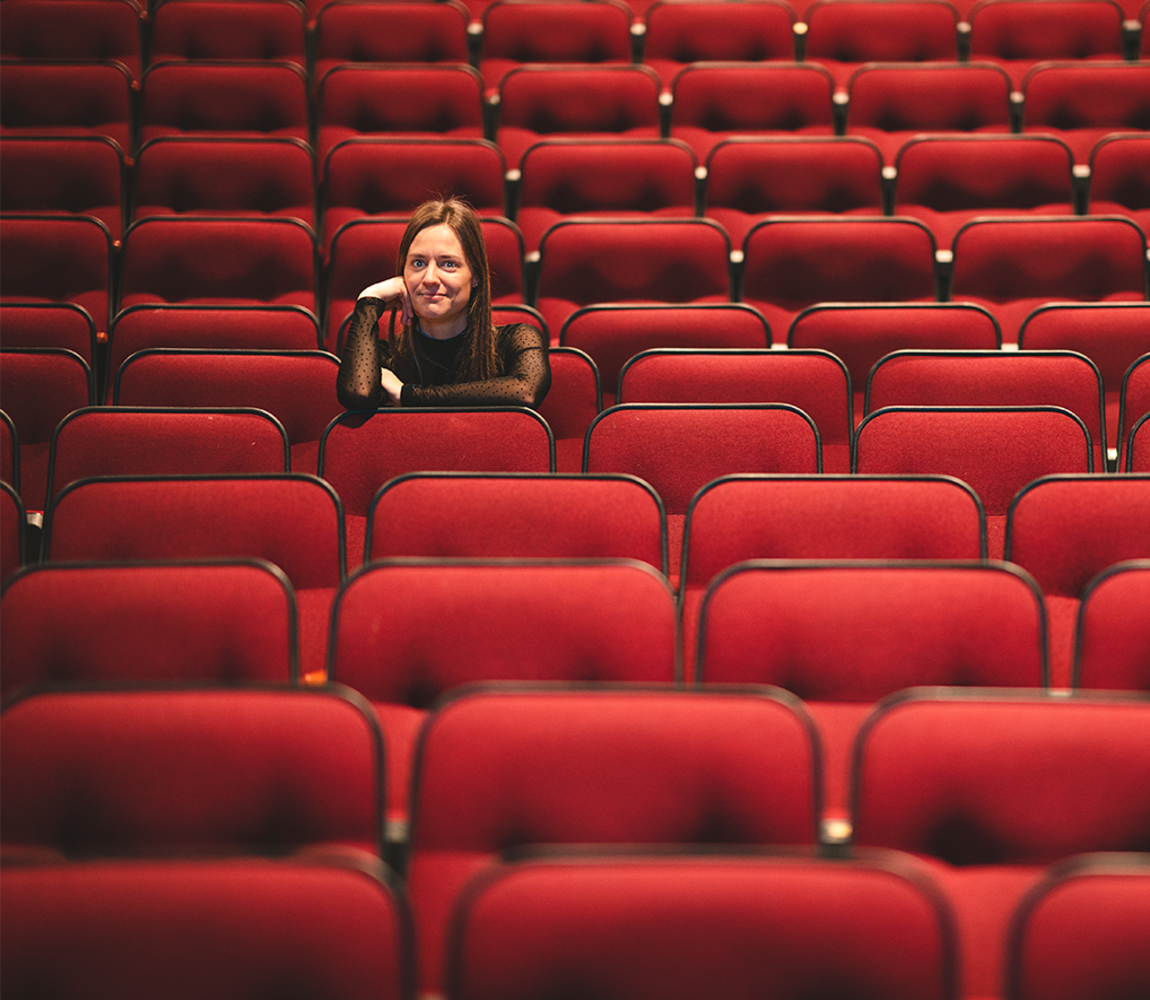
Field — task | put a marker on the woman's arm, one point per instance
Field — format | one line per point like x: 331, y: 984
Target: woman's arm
x: 359, y: 384
x: 525, y: 382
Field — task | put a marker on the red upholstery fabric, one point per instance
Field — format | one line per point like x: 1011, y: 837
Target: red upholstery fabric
x: 436, y: 100
x: 38, y: 325
x: 891, y: 103
x: 1065, y: 530
x: 297, y: 388
x: 107, y: 773
x: 993, y: 378
x: 178, y: 175
x: 621, y: 178
x: 81, y: 98
x: 749, y: 180
x: 292, y: 520
x: 148, y: 622
x: 842, y: 636
x: 614, y: 333
x: 996, y: 450
x: 1112, y: 637
x: 80, y: 30
x: 187, y: 327
x: 600, y: 101
x: 520, y: 516
x: 814, y: 381
x: 860, y: 334
x: 213, y: 29
x: 844, y: 34
x: 219, y: 261
x: 395, y: 32
x: 1012, y: 266
x: 735, y: 927
x: 39, y: 389
x: 1085, y: 100
x: 791, y: 264
x: 499, y: 770
x: 573, y: 401
x: 82, y: 175
x: 9, y: 452
x: 256, y: 98
x: 369, y: 177
x: 715, y: 101
x: 1018, y: 36
x: 331, y: 930
x: 822, y: 517
x: 690, y: 31
x: 525, y: 32
x: 131, y: 441
x: 1138, y: 446
x: 1119, y: 167
x: 404, y: 634
x: 1081, y: 931
x: 45, y: 258
x: 996, y: 788
x: 1112, y: 334
x: 585, y: 262
x: 946, y: 181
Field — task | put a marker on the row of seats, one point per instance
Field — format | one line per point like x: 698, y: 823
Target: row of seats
x: 942, y: 180
x: 979, y: 793
x: 887, y: 103
x: 508, y: 33
x: 1010, y: 266
x: 1063, y: 528
x: 343, y: 930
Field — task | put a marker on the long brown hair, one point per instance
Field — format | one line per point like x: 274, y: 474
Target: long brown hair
x: 480, y: 361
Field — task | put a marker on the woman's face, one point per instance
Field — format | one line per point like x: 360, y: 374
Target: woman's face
x: 438, y: 280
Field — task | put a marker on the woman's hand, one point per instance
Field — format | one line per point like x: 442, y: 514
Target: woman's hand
x: 388, y: 291
x: 391, y: 385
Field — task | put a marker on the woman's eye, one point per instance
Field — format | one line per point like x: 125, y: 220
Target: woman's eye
x: 450, y: 265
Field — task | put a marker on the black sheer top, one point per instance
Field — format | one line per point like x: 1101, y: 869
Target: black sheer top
x: 521, y: 349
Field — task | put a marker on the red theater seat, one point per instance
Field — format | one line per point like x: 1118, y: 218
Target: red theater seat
x: 253, y: 98
x: 522, y: 32
x: 503, y: 769
x: 792, y: 264
x: 537, y: 101
x: 1014, y: 265
x: 679, y: 33
x: 814, y: 381
x: 841, y: 636
x: 393, y: 32
x: 74, y: 30
x: 946, y: 181
x: 573, y: 401
x: 586, y: 262
x: 860, y: 334
x: 750, y: 180
x: 292, y: 520
x: 740, y: 927
x: 844, y: 34
x: 296, y: 387
x: 340, y: 928
x: 219, y: 622
x: 989, y: 789
x: 236, y: 29
x: 1120, y: 178
x: 460, y: 515
x: 608, y: 178
x: 406, y: 633
x: 716, y: 101
x: 612, y: 334
x: 1018, y: 35
x: 1065, y: 530
x: 81, y: 175
x: 1112, y: 635
x: 269, y: 771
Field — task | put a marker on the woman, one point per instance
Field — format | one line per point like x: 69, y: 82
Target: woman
x: 446, y: 352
